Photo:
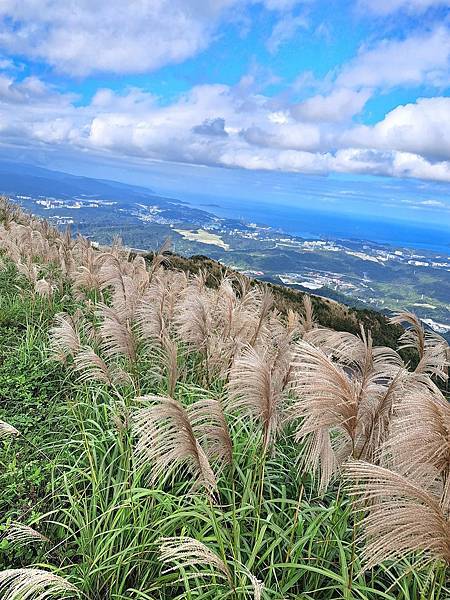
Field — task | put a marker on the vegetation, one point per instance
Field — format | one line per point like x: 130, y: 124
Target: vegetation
x: 329, y: 314
x: 162, y: 437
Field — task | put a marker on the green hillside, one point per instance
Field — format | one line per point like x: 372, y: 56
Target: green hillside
x: 328, y: 313
x: 173, y: 430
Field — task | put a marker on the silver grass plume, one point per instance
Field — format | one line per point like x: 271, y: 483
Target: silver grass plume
x: 421, y: 436
x: 280, y: 348
x: 34, y: 584
x: 127, y: 284
x: 320, y: 455
x: 44, y: 288
x: 170, y: 356
x: 293, y: 323
x: 160, y: 258
x: 235, y: 318
x: 414, y: 335
x: 139, y: 273
x: 127, y: 295
x: 402, y: 514
x: 194, y: 318
x: 211, y: 430
x: 433, y: 350
x: 64, y: 337
x: 357, y: 353
x: 19, y: 535
x: 166, y: 440
x: 307, y: 319
x: 117, y: 249
x: 29, y: 270
x: 65, y: 246
x: 185, y: 552
x: 152, y: 316
x: 9, y: 212
x: 182, y: 552
x: 118, y: 338
x: 90, y: 366
x: 13, y: 252
x: 257, y: 585
x: 256, y: 389
x: 377, y: 409
x: 88, y: 275
x: 264, y: 310
x: 345, y: 391
x: 198, y: 281
x: 227, y: 298
x: 7, y: 430
x: 112, y: 270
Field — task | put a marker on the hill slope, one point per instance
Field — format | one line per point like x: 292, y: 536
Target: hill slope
x: 328, y: 312
x: 174, y: 436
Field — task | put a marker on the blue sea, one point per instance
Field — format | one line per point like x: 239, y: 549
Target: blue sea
x: 398, y: 212
x: 324, y: 224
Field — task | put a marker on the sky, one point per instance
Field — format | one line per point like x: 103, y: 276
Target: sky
x: 232, y: 90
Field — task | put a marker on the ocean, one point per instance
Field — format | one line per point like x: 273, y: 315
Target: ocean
x: 316, y: 223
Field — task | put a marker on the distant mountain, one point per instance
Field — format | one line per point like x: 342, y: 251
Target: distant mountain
x: 36, y: 181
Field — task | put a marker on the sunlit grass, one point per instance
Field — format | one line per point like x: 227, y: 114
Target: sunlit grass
x: 265, y: 527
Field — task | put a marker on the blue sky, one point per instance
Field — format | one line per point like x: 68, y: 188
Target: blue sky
x: 183, y: 94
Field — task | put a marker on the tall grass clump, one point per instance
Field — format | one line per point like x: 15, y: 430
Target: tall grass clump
x: 193, y: 442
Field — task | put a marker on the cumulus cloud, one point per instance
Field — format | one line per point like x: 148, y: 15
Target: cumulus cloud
x: 28, y: 89
x: 112, y: 36
x: 215, y: 127
x: 391, y: 163
x: 422, y: 58
x: 339, y: 105
x: 296, y: 161
x: 284, y: 135
x: 109, y: 35
x: 422, y: 127
x: 226, y: 126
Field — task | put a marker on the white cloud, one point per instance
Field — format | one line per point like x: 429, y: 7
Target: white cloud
x: 341, y: 104
x: 221, y: 125
x: 29, y: 89
x: 214, y: 127
x: 6, y: 64
x: 284, y: 30
x: 422, y: 128
x: 390, y: 163
x: 271, y: 160
x: 292, y: 136
x: 433, y: 203
x: 422, y: 58
x: 115, y: 36
x: 109, y: 35
x: 387, y: 7
x: 407, y: 164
